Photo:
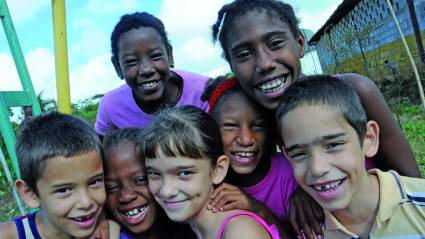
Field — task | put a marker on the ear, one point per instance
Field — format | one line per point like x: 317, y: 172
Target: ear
x: 371, y: 139
x: 170, y: 56
x: 27, y: 194
x: 301, y: 44
x: 117, y: 67
x: 220, y: 170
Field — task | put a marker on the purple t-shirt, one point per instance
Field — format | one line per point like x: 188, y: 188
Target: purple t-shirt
x: 117, y: 108
x: 276, y: 187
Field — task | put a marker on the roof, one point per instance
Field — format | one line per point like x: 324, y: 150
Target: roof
x: 343, y: 9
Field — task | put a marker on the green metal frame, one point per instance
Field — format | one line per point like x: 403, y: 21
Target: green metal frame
x: 8, y: 99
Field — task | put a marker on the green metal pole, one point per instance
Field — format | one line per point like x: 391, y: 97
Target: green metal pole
x: 18, y: 56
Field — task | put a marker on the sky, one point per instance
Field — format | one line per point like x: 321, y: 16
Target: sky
x: 90, y: 23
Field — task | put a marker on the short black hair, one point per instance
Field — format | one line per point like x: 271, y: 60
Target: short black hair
x: 183, y: 131
x: 122, y: 136
x: 328, y: 91
x: 50, y: 135
x: 237, y: 8
x: 134, y: 21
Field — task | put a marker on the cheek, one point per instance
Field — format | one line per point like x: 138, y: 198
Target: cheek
x: 112, y: 201
x: 299, y: 170
x: 154, y: 186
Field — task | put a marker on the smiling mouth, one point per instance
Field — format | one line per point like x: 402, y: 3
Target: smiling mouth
x: 244, y: 157
x: 328, y: 187
x: 149, y: 84
x: 273, y: 85
x: 85, y: 222
x: 84, y: 218
x: 134, y: 213
x: 174, y: 205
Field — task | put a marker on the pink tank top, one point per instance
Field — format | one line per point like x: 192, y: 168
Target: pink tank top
x: 272, y: 230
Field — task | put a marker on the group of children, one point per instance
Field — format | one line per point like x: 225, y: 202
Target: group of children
x: 263, y: 153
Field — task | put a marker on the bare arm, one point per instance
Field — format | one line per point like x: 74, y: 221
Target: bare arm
x: 394, y: 150
x: 228, y: 197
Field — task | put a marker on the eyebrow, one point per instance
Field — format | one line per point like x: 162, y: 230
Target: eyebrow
x: 265, y: 36
x: 70, y: 184
x: 184, y: 167
x: 326, y: 137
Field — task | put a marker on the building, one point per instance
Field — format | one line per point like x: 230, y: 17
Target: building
x: 361, y: 36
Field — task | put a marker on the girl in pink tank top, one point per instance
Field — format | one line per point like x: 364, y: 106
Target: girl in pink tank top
x: 185, y: 161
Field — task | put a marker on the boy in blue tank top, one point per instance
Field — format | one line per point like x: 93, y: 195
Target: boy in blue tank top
x: 62, y: 174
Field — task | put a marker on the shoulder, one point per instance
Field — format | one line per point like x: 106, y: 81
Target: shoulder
x: 243, y: 226
x: 362, y: 84
x: 8, y: 230
x: 117, y: 93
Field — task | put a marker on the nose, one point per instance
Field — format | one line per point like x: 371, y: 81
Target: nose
x: 85, y: 201
x: 319, y: 165
x: 265, y: 61
x: 168, y: 189
x: 146, y: 68
x: 127, y: 195
x: 246, y: 136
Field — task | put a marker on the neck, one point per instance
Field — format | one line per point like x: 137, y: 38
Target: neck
x: 251, y: 179
x: 206, y: 224
x: 46, y: 229
x: 172, y: 93
x: 360, y: 215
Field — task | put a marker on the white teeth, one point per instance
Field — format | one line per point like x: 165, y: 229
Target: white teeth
x: 134, y: 212
x: 328, y: 187
x: 244, y: 154
x: 273, y: 85
x: 150, y: 84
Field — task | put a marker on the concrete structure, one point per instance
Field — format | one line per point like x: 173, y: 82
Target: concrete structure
x: 361, y: 36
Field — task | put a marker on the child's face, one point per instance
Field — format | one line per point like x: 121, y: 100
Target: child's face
x: 182, y: 186
x: 264, y: 55
x: 144, y: 63
x: 325, y: 154
x: 128, y: 196
x: 71, y: 194
x: 243, y: 132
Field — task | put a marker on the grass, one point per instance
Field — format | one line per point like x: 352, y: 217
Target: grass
x: 411, y: 118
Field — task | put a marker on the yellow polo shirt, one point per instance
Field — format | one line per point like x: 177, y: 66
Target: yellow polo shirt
x: 401, y: 212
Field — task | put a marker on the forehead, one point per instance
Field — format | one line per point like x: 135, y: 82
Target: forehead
x: 254, y: 25
x: 124, y: 158
x: 238, y: 102
x: 306, y: 123
x: 75, y: 169
x: 172, y: 163
x: 141, y: 35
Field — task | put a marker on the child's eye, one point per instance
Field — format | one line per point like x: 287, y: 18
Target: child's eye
x: 229, y: 126
x: 276, y: 43
x: 184, y: 173
x: 152, y: 175
x: 259, y: 126
x: 334, y: 146
x: 130, y: 62
x: 298, y: 156
x: 96, y: 183
x: 141, y: 181
x: 63, y: 191
x: 242, y: 55
x: 111, y: 189
x: 157, y: 56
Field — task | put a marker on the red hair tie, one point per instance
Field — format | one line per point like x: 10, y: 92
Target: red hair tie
x: 221, y: 89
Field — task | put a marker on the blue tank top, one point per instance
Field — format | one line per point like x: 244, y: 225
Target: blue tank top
x: 26, y: 227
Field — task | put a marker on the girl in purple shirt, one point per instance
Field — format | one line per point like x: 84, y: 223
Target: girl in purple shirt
x: 142, y: 55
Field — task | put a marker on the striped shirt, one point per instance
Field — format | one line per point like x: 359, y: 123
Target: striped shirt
x: 401, y: 209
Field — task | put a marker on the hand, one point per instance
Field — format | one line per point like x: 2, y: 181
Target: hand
x: 306, y: 215
x: 227, y: 197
